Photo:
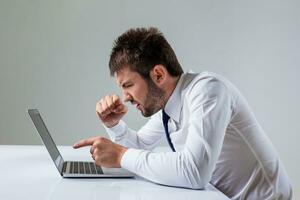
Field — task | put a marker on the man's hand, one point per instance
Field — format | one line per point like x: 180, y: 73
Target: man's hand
x: 104, y: 152
x: 110, y: 110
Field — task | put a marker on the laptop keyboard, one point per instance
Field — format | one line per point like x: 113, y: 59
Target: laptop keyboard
x: 83, y: 168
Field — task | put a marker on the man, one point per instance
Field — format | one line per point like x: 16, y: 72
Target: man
x: 212, y: 133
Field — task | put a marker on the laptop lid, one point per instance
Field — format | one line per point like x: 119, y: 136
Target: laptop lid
x: 46, y: 138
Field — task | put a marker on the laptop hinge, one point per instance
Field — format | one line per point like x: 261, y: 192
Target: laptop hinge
x: 61, y: 166
x: 64, y: 168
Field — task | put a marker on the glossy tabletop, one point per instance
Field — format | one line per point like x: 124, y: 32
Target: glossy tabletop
x: 27, y: 172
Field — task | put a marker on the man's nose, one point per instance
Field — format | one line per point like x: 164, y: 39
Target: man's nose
x: 127, y: 97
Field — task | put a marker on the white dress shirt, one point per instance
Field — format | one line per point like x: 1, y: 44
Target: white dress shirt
x: 217, y: 140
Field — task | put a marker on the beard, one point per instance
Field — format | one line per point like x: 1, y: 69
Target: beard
x: 155, y: 99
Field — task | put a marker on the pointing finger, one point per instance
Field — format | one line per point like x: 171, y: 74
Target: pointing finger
x: 85, y: 142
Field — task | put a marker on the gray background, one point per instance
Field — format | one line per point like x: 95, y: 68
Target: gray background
x: 54, y: 56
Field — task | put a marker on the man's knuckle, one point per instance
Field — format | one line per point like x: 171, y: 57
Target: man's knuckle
x: 95, y: 151
x: 97, y: 142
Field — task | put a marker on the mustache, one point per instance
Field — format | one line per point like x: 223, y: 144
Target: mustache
x: 133, y: 102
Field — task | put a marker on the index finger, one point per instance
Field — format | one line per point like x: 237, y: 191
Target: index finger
x: 85, y: 142
x: 116, y: 99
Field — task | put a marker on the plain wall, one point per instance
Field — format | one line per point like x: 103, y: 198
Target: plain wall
x: 54, y: 56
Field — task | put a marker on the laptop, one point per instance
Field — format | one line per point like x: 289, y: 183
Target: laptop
x: 73, y: 169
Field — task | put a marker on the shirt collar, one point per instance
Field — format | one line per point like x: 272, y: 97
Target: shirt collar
x: 174, y: 104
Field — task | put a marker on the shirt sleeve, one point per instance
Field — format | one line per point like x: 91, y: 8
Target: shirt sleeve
x: 146, y: 138
x: 210, y: 111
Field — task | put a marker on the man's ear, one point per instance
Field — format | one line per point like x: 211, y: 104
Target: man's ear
x: 158, y: 74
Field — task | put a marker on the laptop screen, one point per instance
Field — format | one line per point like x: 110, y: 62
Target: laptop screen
x: 46, y: 137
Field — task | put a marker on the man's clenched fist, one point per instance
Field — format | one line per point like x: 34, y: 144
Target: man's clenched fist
x: 110, y: 110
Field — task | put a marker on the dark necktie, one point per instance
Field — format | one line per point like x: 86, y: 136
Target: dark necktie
x: 165, y: 118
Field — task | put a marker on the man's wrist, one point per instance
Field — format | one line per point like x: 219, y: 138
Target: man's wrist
x: 111, y: 125
x: 130, y: 158
x: 122, y: 152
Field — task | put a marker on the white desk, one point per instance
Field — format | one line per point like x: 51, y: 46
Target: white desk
x: 27, y: 172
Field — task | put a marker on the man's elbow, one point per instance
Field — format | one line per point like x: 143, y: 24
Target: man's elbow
x: 197, y: 174
x: 198, y: 180
x: 199, y: 184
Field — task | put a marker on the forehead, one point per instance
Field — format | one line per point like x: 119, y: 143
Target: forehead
x: 125, y: 75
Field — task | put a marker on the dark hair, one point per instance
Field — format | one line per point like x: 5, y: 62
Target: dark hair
x: 141, y: 49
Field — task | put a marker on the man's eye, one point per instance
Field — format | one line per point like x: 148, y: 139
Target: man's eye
x: 127, y: 86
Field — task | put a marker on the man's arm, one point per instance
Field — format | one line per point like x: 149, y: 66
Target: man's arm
x: 146, y: 138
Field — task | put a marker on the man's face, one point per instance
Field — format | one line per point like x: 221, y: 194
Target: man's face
x: 147, y: 97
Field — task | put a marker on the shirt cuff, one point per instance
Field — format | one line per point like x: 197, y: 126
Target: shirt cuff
x: 129, y: 159
x: 117, y: 131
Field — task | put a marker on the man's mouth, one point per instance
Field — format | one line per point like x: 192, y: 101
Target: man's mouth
x: 138, y: 106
